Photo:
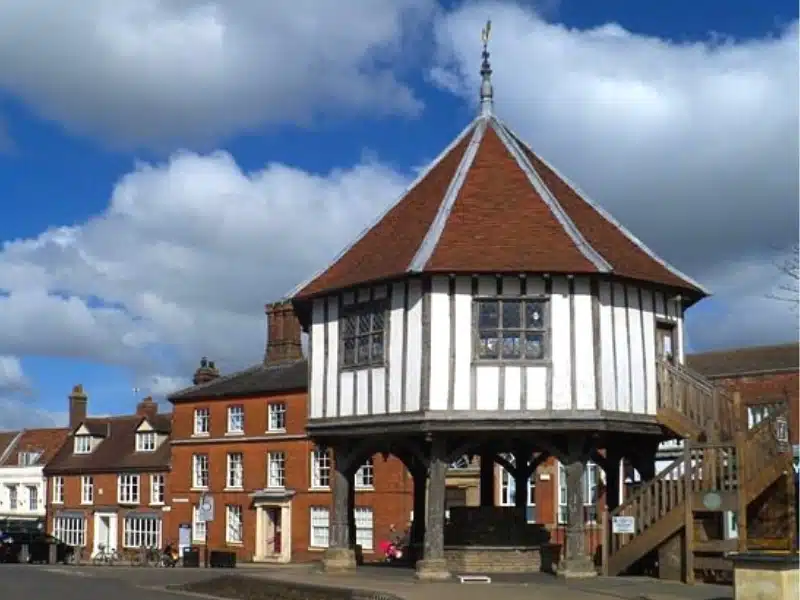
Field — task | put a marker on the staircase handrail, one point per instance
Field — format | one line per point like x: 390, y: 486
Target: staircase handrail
x: 685, y: 372
x: 643, y: 489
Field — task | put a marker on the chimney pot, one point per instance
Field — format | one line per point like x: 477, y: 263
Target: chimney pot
x: 147, y: 408
x: 206, y: 372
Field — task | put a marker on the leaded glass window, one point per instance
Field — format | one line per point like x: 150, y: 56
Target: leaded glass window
x: 362, y: 335
x: 511, y: 329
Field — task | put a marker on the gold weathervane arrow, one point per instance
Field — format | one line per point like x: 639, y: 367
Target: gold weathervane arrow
x: 487, y: 30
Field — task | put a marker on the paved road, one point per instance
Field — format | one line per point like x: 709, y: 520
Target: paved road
x: 76, y: 583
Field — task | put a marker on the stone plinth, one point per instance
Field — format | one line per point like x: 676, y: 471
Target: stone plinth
x: 339, y: 560
x: 765, y: 575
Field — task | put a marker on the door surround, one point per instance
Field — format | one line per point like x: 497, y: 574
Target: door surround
x: 113, y: 532
x: 280, y: 501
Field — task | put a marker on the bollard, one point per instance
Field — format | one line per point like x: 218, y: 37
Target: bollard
x: 52, y: 554
x: 24, y: 554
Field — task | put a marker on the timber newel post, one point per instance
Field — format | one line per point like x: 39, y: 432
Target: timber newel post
x: 340, y: 555
x: 487, y: 483
x: 433, y: 566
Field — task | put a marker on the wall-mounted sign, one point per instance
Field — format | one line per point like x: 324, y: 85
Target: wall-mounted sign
x: 623, y: 524
x: 205, y: 511
x: 712, y: 501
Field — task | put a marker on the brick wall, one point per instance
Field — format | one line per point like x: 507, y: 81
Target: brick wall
x: 391, y: 500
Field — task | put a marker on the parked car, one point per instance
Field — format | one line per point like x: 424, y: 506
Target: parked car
x: 38, y: 547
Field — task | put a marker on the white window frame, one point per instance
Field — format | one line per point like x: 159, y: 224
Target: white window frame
x: 58, y: 490
x: 276, y: 417
x: 234, y: 478
x: 87, y: 489
x: 321, y: 469
x: 29, y: 458
x: 145, y: 441
x: 365, y: 476
x: 202, y: 422
x: 200, y: 472
x: 70, y: 530
x: 128, y: 489
x: 13, y: 496
x: 33, y: 497
x: 141, y: 531
x: 235, y: 419
x: 158, y: 489
x: 83, y: 444
x: 276, y: 470
x: 234, y: 524
x: 319, y: 526
x: 508, y: 489
x: 365, y: 527
x: 589, y: 488
x: 199, y: 528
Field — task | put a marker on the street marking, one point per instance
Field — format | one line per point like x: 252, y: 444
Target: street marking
x: 474, y: 579
x: 65, y: 571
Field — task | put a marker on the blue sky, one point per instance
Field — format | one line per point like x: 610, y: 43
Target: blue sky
x: 167, y: 170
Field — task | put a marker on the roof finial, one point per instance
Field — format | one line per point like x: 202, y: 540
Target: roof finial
x: 487, y: 93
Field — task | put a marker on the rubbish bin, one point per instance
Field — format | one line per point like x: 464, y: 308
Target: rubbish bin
x: 191, y: 557
x: 221, y: 559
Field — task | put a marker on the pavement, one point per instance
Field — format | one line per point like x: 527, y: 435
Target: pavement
x: 137, y: 583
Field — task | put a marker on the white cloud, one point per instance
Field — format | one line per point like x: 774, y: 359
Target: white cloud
x: 155, y: 71
x: 17, y: 398
x: 184, y: 259
x: 693, y: 146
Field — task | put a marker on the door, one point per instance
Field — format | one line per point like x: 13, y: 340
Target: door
x: 105, y: 531
x: 275, y: 515
x: 665, y: 342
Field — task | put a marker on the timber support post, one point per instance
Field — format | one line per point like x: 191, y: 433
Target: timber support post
x: 433, y: 566
x: 577, y: 563
x: 340, y: 555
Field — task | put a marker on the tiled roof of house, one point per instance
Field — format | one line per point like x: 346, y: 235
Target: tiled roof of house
x: 117, y: 451
x: 6, y: 439
x: 259, y: 379
x: 489, y: 204
x: 44, y: 441
x: 744, y: 361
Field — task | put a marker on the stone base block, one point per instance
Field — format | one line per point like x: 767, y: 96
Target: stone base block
x: 339, y: 560
x: 432, y: 570
x: 577, y: 568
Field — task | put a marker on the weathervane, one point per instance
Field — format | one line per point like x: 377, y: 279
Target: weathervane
x: 487, y: 93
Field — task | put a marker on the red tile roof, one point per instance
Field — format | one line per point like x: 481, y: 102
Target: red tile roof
x: 45, y: 441
x: 490, y: 204
x: 116, y: 452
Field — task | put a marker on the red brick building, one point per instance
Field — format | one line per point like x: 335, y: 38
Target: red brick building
x: 240, y: 439
x: 108, y: 483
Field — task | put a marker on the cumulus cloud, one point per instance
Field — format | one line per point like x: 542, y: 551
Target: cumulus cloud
x: 181, y: 262
x: 16, y: 400
x: 154, y: 71
x: 693, y: 146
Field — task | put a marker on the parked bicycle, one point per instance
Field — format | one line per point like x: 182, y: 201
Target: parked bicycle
x: 146, y: 557
x: 77, y: 557
x: 106, y: 556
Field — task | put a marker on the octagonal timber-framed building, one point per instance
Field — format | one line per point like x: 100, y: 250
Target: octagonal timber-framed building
x: 494, y: 310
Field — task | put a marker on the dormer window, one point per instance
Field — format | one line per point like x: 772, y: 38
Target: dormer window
x: 511, y: 330
x: 83, y: 444
x: 145, y: 441
x: 29, y: 458
x: 362, y: 335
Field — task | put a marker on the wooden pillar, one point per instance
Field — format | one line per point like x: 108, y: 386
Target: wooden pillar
x: 521, y: 477
x: 487, y: 480
x: 339, y: 557
x: 433, y: 567
x: 577, y: 562
x: 420, y: 476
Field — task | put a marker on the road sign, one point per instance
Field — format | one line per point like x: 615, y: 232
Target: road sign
x: 205, y: 511
x: 623, y: 525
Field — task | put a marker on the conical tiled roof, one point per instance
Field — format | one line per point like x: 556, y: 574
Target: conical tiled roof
x: 489, y: 204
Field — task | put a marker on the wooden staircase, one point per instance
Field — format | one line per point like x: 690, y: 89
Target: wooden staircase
x: 724, y: 467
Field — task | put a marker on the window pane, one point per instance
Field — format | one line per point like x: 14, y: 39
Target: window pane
x: 377, y: 346
x: 364, y: 323
x: 534, y: 346
x: 534, y: 315
x: 349, y: 326
x: 488, y: 314
x: 512, y: 315
x: 363, y: 350
x: 512, y: 344
x: 349, y: 357
x: 488, y: 344
x: 377, y: 321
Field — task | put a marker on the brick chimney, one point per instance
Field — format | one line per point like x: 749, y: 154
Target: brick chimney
x: 207, y: 371
x: 77, y: 406
x: 147, y: 408
x: 283, y: 333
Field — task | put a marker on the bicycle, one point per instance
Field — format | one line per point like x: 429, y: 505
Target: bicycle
x: 105, y: 556
x: 146, y: 557
x: 76, y: 557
